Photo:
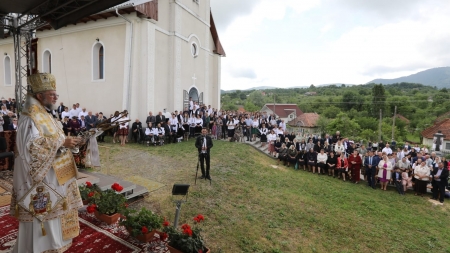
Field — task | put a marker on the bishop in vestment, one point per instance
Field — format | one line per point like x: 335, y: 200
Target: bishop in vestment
x: 45, y: 197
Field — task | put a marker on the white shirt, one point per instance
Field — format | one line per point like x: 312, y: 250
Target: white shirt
x: 191, y: 105
x: 173, y: 123
x: 322, y: 157
x: 271, y: 137
x: 73, y: 112
x: 160, y: 131
x: 122, y: 121
x: 82, y: 114
x: 204, y: 145
x: 149, y: 131
x: 198, y: 121
x: 283, y: 126
x: 387, y: 150
x: 65, y: 114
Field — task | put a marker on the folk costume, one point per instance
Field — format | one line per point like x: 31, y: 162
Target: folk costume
x: 45, y: 197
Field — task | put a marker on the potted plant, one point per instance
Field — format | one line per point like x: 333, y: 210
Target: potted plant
x: 142, y: 225
x: 186, y: 240
x: 108, y: 205
x: 87, y: 191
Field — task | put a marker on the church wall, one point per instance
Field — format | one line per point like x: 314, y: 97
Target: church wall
x: 72, y: 66
x: 7, y: 46
x: 162, y: 72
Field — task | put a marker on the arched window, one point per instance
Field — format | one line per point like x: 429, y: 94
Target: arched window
x: 98, y: 62
x: 7, y: 70
x: 47, y: 62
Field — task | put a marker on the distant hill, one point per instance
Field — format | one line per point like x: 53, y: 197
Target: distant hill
x: 439, y: 77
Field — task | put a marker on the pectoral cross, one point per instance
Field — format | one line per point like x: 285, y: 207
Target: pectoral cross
x: 193, y: 79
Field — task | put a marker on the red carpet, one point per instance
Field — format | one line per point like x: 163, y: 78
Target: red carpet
x: 95, y: 236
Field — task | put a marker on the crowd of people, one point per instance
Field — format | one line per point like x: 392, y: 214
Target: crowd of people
x: 8, y: 119
x: 407, y: 168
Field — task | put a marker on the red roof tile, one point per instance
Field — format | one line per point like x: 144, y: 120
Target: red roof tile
x: 283, y: 110
x: 305, y: 120
x: 443, y: 126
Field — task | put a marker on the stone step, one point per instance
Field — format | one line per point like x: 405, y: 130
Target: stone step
x: 130, y: 190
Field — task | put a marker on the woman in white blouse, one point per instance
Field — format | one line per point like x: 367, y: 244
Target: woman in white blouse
x: 339, y: 147
x: 421, y: 174
x: 123, y: 128
x: 271, y: 138
x: 321, y: 161
x: 384, y: 171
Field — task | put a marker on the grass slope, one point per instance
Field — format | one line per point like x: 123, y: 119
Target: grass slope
x: 252, y: 207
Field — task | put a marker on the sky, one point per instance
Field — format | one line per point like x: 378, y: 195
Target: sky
x: 287, y: 43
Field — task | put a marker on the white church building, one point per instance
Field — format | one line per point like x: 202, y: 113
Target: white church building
x: 145, y: 56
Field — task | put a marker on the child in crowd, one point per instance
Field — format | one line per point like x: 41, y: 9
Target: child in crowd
x: 406, y: 180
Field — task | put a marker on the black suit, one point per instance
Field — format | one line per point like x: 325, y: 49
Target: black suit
x: 160, y: 119
x: 199, y: 143
x: 60, y: 110
x: 439, y: 186
x: 371, y: 171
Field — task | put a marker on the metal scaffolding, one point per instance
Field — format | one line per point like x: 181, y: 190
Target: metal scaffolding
x: 22, y: 28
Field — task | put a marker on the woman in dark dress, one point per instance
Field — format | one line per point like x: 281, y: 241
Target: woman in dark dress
x: 291, y: 156
x: 311, y: 160
x: 331, y: 163
x: 301, y: 159
x: 263, y: 131
x: 282, y: 154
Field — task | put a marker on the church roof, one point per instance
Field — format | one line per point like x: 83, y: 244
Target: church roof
x: 219, y: 49
x: 443, y: 126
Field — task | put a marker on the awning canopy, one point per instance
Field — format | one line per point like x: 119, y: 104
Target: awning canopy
x: 57, y: 13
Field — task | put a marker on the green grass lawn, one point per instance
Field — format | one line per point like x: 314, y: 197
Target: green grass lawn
x: 252, y: 207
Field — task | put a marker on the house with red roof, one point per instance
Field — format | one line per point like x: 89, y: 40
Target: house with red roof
x: 444, y: 127
x: 286, y: 112
x: 305, y: 123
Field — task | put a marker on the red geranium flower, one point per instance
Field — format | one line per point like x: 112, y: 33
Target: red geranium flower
x: 91, y: 194
x: 166, y: 223
x: 117, y: 187
x: 91, y: 208
x: 188, y: 231
x: 200, y: 217
x: 185, y: 226
x: 125, y: 205
x: 144, y: 230
x: 88, y: 184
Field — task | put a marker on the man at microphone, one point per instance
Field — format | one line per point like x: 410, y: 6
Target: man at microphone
x: 204, y: 144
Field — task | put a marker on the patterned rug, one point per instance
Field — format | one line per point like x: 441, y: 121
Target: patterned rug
x: 6, y: 180
x: 95, y: 236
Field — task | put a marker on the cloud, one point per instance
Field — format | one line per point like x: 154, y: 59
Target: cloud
x: 243, y: 73
x: 225, y: 11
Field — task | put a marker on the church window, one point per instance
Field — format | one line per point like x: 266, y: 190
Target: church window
x: 47, y: 62
x: 7, y: 70
x: 194, y: 49
x: 98, y: 62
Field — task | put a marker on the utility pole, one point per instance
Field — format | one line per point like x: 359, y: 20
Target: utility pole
x: 379, y: 128
x: 393, y: 122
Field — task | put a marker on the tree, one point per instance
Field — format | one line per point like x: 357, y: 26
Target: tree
x: 230, y: 107
x: 322, y: 124
x: 347, y: 126
x: 378, y: 99
x: 250, y: 107
x: 242, y: 96
x: 351, y: 100
x: 256, y: 98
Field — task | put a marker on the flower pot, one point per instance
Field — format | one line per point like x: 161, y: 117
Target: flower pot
x: 108, y: 219
x: 144, y: 238
x: 173, y: 250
